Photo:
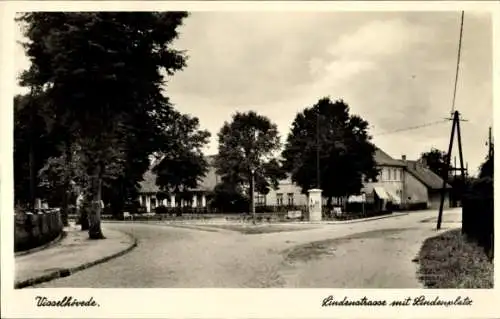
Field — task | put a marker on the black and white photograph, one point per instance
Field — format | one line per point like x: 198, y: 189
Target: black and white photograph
x: 252, y: 149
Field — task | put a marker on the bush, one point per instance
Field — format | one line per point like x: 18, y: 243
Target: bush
x: 161, y: 210
x: 477, y: 213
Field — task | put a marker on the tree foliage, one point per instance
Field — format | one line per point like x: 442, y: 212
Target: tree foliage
x: 436, y: 161
x: 102, y: 74
x: 182, y: 163
x: 345, y: 151
x: 487, y: 168
x: 31, y: 133
x: 249, y: 142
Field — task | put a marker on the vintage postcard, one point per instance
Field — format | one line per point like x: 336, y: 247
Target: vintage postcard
x: 248, y: 159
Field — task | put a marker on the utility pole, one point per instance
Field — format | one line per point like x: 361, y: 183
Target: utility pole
x: 252, y: 177
x: 490, y: 144
x: 252, y: 195
x: 454, y: 166
x: 318, y: 181
x: 455, y: 127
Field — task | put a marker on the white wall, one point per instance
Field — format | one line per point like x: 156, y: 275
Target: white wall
x: 286, y: 187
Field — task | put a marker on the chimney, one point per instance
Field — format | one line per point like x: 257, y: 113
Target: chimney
x: 403, y: 157
x: 423, y: 162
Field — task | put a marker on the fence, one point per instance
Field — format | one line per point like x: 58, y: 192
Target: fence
x: 36, y: 229
x: 263, y: 213
x: 477, y: 214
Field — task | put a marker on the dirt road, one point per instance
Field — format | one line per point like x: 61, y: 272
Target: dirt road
x: 372, y: 254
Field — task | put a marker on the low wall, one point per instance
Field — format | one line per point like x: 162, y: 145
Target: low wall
x: 36, y: 229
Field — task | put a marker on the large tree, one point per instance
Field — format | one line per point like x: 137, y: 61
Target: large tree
x: 182, y: 163
x: 33, y: 145
x: 487, y: 168
x: 342, y: 142
x: 103, y: 73
x: 249, y: 145
x: 435, y: 160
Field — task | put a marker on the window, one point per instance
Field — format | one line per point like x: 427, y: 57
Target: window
x: 395, y: 174
x: 388, y: 174
x: 290, y: 199
x: 153, y: 203
x: 279, y: 199
x: 261, y: 200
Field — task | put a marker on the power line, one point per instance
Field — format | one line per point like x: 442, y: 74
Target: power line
x: 458, y: 62
x: 410, y: 128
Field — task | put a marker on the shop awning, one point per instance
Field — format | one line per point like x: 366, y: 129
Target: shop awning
x: 381, y: 193
x: 395, y: 198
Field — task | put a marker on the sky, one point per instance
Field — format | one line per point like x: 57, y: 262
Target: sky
x: 394, y: 69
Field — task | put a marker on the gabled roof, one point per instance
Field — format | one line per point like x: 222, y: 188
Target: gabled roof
x: 383, y: 159
x: 425, y: 175
x: 420, y: 172
x: 208, y: 182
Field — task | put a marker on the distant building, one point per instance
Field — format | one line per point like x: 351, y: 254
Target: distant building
x: 406, y: 183
x: 402, y: 183
x: 195, y: 198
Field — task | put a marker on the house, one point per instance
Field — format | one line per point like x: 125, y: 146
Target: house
x: 419, y: 174
x: 390, y: 183
x: 195, y: 198
x: 287, y: 194
x: 406, y: 184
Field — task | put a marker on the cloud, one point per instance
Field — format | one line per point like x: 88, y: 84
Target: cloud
x: 395, y: 69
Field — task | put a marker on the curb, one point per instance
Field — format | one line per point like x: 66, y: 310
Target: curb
x: 331, y: 222
x: 365, y: 220
x: 65, y: 272
x: 51, y: 243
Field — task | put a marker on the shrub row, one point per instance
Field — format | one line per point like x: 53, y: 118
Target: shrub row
x: 477, y: 214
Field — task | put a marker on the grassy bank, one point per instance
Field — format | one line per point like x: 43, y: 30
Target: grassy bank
x: 451, y: 261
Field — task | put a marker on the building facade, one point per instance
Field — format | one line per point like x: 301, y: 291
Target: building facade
x: 402, y: 183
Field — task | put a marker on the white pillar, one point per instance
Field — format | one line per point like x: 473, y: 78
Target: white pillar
x: 164, y: 202
x: 172, y: 200
x: 148, y: 203
x: 203, y: 201
x: 140, y: 200
x: 38, y: 203
x: 195, y: 201
x: 315, y: 204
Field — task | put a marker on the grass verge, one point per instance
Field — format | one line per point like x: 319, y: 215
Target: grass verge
x: 451, y: 261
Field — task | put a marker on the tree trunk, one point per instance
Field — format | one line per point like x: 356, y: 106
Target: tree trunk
x: 84, y: 218
x: 329, y: 206
x: 32, y: 202
x: 252, y: 197
x: 64, y: 208
x: 32, y: 169
x: 95, y: 231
